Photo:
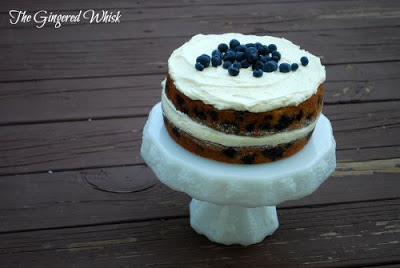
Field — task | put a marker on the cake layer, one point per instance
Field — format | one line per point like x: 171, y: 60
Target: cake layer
x: 234, y: 154
x: 245, y: 123
x: 244, y: 92
x: 200, y: 131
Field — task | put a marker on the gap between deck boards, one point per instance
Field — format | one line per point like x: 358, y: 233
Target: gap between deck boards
x: 133, y: 193
x: 365, y: 235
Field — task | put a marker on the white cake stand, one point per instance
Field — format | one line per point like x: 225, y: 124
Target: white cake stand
x: 232, y: 203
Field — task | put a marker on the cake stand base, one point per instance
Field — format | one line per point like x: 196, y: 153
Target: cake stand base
x: 233, y: 224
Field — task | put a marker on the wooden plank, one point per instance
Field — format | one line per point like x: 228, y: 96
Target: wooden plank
x: 261, y: 17
x: 124, y: 4
x: 70, y: 145
x: 366, y: 153
x: 111, y: 73
x: 362, y: 82
x: 143, y: 56
x: 355, y: 235
x: 116, y: 142
x: 122, y: 194
x: 105, y: 97
x: 86, y: 197
x: 78, y: 99
x: 358, y: 134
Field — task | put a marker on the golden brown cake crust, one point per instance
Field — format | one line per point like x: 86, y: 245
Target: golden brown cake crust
x: 237, y: 155
x: 246, y: 123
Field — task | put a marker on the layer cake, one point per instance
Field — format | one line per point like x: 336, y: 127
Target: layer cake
x: 246, y: 113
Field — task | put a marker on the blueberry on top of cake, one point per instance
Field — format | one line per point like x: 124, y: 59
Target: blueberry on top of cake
x: 242, y: 99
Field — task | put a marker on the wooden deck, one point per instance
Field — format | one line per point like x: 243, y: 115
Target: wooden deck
x: 75, y: 192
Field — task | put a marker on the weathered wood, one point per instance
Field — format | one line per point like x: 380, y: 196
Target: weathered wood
x: 86, y: 197
x: 362, y: 82
x: 355, y: 234
x: 73, y: 102
x: 96, y: 143
x: 259, y: 17
x: 144, y: 56
x: 352, y: 117
x: 109, y: 195
x: 107, y: 97
x: 367, y: 153
x: 102, y: 143
x: 78, y: 99
x: 126, y: 4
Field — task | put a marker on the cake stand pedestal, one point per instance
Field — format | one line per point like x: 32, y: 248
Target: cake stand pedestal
x: 232, y: 203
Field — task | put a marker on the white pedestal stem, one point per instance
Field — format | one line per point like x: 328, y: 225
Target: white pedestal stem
x: 233, y: 224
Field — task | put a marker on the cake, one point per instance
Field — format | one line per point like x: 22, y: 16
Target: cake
x: 253, y: 107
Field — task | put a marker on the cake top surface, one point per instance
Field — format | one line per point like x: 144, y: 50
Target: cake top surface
x: 244, y: 92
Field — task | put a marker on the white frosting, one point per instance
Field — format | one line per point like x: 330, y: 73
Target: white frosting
x: 184, y: 122
x: 244, y: 92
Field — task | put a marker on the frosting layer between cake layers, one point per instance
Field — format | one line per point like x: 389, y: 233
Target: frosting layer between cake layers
x: 214, y: 86
x: 200, y: 131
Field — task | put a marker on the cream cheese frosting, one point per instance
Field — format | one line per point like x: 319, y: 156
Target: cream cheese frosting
x: 214, y: 86
x: 203, y: 132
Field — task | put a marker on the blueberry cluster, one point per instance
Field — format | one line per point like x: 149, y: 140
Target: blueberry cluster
x: 262, y: 58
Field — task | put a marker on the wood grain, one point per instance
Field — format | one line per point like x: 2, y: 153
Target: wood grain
x: 272, y: 17
x: 127, y: 57
x: 73, y: 102
x: 127, y: 5
x: 127, y: 194
x: 355, y: 234
x: 110, y: 97
x: 55, y: 146
x: 116, y: 142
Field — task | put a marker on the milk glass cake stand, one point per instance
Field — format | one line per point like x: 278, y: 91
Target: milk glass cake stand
x: 233, y: 203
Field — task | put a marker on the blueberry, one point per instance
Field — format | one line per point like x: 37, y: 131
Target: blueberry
x: 264, y: 59
x: 258, y: 45
x: 251, y: 54
x: 272, y: 48
x: 263, y: 50
x: 245, y: 64
x: 250, y: 45
x: 237, y: 65
x: 233, y: 71
x: 204, y: 60
x: 257, y: 73
x: 199, y: 66
x: 239, y: 56
x: 226, y: 64
x: 216, y: 52
x: 229, y: 56
x: 234, y: 43
x: 223, y: 47
x: 270, y: 66
x: 284, y: 67
x: 304, y: 61
x: 258, y: 65
x: 276, y: 56
x: 240, y: 48
x: 216, y: 61
x: 294, y: 66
